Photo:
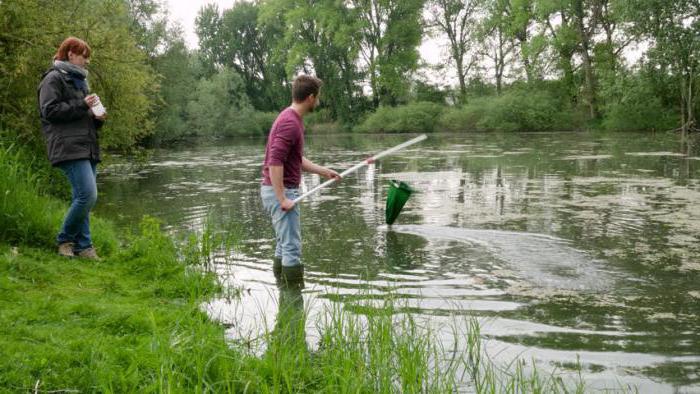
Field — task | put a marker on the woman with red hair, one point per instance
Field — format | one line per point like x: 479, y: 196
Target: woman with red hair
x: 70, y: 118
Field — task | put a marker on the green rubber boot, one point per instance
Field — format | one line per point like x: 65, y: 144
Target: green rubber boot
x: 293, y: 277
x: 277, y: 267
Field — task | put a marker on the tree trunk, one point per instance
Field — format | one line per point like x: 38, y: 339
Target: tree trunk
x: 590, y: 88
x: 500, y: 63
x: 568, y: 70
x: 462, y: 80
x: 529, y: 73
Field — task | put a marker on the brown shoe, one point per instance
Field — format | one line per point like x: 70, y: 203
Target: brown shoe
x: 66, y: 249
x: 89, y: 253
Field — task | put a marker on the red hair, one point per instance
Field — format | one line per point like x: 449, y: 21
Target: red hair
x: 72, y: 44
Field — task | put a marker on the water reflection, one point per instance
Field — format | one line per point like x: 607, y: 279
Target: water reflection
x: 289, y: 334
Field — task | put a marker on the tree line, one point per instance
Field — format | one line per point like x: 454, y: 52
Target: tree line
x: 517, y: 64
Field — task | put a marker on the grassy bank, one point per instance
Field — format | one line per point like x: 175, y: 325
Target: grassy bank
x: 133, y: 322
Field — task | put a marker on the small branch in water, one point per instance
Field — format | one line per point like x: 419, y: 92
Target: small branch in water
x: 688, y: 126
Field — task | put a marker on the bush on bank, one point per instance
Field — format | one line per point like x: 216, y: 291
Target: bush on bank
x: 514, y: 110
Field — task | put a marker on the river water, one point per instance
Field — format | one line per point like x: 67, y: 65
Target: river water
x: 564, y: 246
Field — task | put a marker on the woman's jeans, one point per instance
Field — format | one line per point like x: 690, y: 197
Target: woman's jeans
x: 287, y: 225
x: 82, y: 175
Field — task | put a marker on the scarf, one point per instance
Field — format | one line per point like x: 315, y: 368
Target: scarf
x: 78, y: 74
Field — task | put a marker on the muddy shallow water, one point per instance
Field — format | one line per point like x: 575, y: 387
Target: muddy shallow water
x: 562, y: 245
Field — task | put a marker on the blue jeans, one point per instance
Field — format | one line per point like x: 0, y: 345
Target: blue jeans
x: 82, y: 175
x: 287, y: 225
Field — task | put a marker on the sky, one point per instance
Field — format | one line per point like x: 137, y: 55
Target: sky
x: 185, y: 11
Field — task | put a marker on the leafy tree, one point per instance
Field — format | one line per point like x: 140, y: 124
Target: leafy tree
x: 211, y: 47
x: 220, y: 106
x: 513, y: 19
x: 249, y: 48
x: 321, y: 37
x: 585, y: 23
x: 496, y: 45
x: 148, y: 25
x: 555, y: 15
x: 241, y: 39
x: 456, y: 19
x: 33, y: 29
x: 177, y: 75
x: 673, y: 28
x: 390, y: 31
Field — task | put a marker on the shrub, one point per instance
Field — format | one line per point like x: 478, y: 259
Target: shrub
x: 462, y: 118
x: 260, y: 122
x: 515, y: 110
x: 419, y: 117
x: 634, y: 105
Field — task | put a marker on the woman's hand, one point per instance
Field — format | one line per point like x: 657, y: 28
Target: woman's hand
x: 91, y: 100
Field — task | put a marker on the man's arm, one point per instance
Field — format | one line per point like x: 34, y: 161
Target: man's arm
x: 309, y: 166
x: 277, y: 180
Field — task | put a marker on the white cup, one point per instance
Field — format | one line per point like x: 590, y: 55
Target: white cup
x: 98, y: 109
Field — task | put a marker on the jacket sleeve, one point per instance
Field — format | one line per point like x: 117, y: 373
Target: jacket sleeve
x: 98, y: 123
x: 53, y: 108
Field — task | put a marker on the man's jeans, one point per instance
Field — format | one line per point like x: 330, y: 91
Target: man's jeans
x: 82, y: 175
x: 287, y: 225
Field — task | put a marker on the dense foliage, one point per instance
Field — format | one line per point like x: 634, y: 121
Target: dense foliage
x: 516, y: 65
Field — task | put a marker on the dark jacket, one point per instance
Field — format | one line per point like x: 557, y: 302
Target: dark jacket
x: 69, y: 128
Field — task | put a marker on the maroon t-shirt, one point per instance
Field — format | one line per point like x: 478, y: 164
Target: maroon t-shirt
x: 285, y: 147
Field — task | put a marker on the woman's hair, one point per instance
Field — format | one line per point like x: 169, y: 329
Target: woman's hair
x: 304, y: 86
x: 72, y: 44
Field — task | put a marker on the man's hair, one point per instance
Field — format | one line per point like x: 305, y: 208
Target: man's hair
x: 304, y: 86
x: 72, y: 44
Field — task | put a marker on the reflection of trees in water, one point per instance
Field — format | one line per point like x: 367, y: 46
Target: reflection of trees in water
x: 288, y: 339
x: 404, y: 251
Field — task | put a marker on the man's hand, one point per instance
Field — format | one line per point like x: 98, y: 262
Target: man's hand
x: 287, y: 205
x: 330, y: 174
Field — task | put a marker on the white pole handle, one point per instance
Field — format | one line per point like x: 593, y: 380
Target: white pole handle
x: 362, y: 164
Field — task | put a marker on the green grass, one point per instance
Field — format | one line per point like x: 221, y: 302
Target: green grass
x: 28, y: 215
x: 132, y: 323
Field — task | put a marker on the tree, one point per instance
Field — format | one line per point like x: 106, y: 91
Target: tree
x: 456, y: 19
x: 220, y: 106
x: 556, y: 16
x: 391, y: 31
x: 673, y: 28
x: 585, y: 22
x: 148, y: 25
x: 177, y: 76
x: 241, y: 39
x: 249, y: 48
x: 119, y: 72
x: 496, y: 46
x: 321, y: 37
x: 513, y: 19
x: 211, y: 47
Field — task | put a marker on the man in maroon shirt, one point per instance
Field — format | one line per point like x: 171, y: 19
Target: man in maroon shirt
x: 282, y: 167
